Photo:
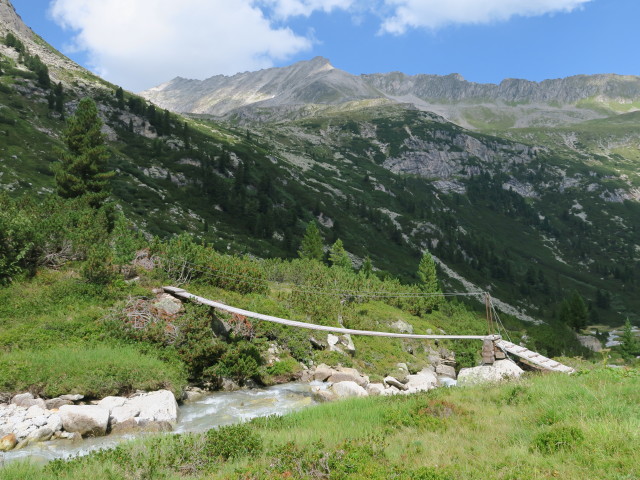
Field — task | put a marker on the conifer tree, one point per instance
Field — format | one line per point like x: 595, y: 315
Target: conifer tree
x: 427, y: 273
x: 311, y: 246
x: 338, y: 256
x: 367, y: 267
x: 629, y: 345
x: 574, y: 312
x: 81, y: 170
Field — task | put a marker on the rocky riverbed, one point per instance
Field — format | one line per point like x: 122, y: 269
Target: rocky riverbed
x: 27, y: 421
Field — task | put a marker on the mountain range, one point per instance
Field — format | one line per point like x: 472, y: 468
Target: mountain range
x: 277, y: 93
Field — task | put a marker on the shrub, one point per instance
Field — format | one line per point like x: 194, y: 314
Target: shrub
x: 557, y: 438
x: 240, y: 362
x: 232, y: 441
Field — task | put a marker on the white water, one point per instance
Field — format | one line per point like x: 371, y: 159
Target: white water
x: 212, y: 410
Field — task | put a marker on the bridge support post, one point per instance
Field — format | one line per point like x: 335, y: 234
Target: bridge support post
x: 488, y: 352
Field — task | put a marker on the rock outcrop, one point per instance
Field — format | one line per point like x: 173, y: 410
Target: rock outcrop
x: 500, y: 370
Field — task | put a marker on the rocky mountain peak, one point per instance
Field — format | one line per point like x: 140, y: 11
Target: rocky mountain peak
x: 10, y: 21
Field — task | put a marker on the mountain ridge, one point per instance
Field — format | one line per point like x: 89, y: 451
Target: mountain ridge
x: 316, y: 82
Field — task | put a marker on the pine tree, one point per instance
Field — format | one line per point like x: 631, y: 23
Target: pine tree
x: 429, y: 282
x: 427, y: 273
x: 311, y: 246
x: 629, y: 345
x: 120, y: 97
x: 367, y: 267
x: 338, y: 256
x: 574, y: 312
x: 81, y: 171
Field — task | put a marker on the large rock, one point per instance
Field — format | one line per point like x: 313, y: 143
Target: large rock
x: 27, y: 400
x: 87, y: 420
x: 123, y: 413
x: 109, y: 403
x: 446, y: 371
x: 8, y: 442
x: 375, y: 389
x: 348, y: 389
x: 344, y: 374
x: 402, y: 326
x: 160, y: 406
x: 394, y: 382
x: 422, y: 382
x: 167, y: 305
x: 322, y: 372
x: 500, y: 370
x: 55, y: 403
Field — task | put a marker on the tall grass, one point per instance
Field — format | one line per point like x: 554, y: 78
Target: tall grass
x: 94, y: 371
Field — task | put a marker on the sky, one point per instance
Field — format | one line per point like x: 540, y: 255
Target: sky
x: 139, y: 44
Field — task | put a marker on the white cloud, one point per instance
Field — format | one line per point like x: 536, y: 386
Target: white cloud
x: 141, y: 43
x: 434, y: 14
x: 292, y: 8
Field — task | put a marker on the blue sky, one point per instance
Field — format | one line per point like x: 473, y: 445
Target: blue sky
x: 142, y: 43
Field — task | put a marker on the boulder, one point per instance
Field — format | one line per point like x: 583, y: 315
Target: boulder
x: 34, y: 411
x: 590, y: 342
x: 72, y: 397
x: 127, y: 426
x: 41, y: 434
x: 160, y: 406
x: 421, y: 382
x: 500, y: 370
x: 375, y: 389
x: 332, y: 341
x: 54, y: 422
x: 55, y: 403
x: 446, y: 371
x: 394, y: 382
x: 348, y: 389
x: 8, y: 442
x: 27, y: 400
x: 347, y: 343
x: 123, y: 413
x: 323, y: 395
x: 391, y: 391
x: 344, y: 374
x: 322, y: 372
x: 402, y: 326
x: 87, y: 420
x: 167, y: 305
x: 318, y: 344
x: 109, y: 403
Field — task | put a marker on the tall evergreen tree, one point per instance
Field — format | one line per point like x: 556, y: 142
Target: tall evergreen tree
x: 338, y: 256
x: 629, y: 345
x: 574, y: 312
x: 81, y: 170
x: 427, y: 273
x: 311, y: 246
x: 367, y: 267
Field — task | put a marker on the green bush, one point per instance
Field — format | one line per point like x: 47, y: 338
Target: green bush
x: 557, y: 438
x: 232, y: 441
x: 240, y: 362
x: 288, y: 366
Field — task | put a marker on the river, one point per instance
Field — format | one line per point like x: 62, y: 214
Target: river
x: 212, y: 410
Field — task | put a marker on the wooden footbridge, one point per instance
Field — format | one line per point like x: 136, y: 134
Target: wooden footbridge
x: 494, y: 347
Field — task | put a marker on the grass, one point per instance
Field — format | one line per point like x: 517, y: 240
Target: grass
x: 94, y: 371
x: 52, y: 341
x: 578, y: 427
